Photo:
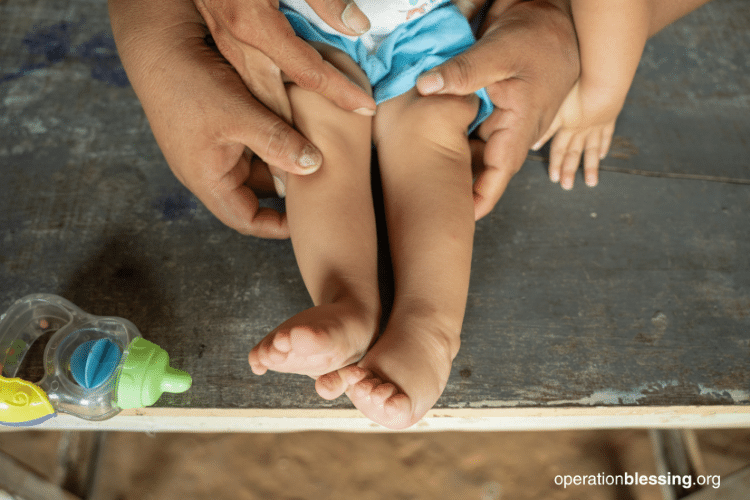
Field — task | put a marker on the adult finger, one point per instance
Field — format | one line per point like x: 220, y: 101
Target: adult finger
x: 479, y: 66
x: 504, y: 154
x: 553, y: 128
x: 488, y: 188
x: 272, y: 139
x: 240, y: 28
x: 306, y: 67
x: 264, y: 80
x: 260, y: 127
x: 342, y: 15
x: 236, y: 205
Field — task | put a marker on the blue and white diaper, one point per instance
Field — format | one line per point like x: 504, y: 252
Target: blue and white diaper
x: 403, y: 43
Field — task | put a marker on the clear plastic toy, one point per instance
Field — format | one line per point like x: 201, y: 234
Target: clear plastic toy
x: 94, y: 366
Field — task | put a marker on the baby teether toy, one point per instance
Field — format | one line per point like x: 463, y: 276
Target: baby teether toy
x: 94, y: 366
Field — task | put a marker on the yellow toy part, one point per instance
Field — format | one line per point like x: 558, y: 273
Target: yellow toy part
x: 23, y: 403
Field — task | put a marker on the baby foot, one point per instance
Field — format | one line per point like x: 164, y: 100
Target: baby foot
x: 399, y: 379
x: 316, y: 341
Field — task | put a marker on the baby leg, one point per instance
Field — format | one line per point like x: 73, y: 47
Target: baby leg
x: 427, y: 188
x: 332, y: 226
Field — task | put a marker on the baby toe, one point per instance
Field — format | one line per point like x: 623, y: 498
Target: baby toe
x: 330, y: 386
x: 282, y: 342
x: 263, y: 355
x: 275, y: 357
x: 363, y: 389
x: 397, y: 404
x: 382, y: 392
x: 256, y: 365
x: 398, y: 412
x: 352, y: 374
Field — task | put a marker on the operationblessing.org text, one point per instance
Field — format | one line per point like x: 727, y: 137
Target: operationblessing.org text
x: 626, y: 479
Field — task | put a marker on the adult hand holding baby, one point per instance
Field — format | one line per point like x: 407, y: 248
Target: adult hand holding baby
x: 220, y: 121
x: 218, y: 137
x: 255, y: 36
x: 527, y: 59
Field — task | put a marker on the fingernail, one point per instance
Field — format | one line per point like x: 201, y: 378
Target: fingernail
x: 310, y: 159
x: 279, y: 185
x: 536, y: 146
x: 591, y: 181
x: 365, y: 111
x: 430, y: 82
x: 566, y: 185
x: 355, y: 20
x: 554, y: 177
x: 602, y: 155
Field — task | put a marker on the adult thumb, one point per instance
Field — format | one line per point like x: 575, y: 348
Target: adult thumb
x: 478, y: 67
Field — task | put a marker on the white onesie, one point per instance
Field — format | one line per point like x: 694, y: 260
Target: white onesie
x: 384, y: 15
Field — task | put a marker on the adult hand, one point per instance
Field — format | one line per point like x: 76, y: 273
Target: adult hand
x: 527, y: 58
x: 203, y: 116
x: 243, y: 29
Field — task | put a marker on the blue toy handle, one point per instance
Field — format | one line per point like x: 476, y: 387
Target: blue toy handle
x: 28, y: 319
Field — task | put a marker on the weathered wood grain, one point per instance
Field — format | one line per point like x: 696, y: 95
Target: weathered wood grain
x: 636, y: 292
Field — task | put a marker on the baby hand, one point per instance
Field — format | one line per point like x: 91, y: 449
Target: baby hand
x: 584, y: 124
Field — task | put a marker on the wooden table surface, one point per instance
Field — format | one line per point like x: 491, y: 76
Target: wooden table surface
x: 623, y: 305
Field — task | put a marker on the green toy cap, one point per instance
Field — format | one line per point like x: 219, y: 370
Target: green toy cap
x: 146, y: 374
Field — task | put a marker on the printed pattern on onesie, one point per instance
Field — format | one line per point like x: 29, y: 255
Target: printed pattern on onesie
x: 384, y: 15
